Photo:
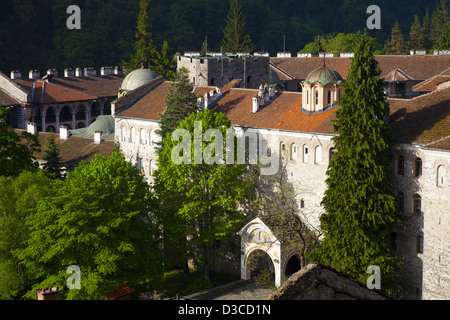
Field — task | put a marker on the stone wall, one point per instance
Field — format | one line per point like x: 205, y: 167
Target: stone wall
x: 218, y: 71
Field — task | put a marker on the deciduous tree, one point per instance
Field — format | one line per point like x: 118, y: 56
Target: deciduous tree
x: 98, y: 220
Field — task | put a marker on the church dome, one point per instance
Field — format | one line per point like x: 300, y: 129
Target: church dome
x: 323, y: 76
x: 138, y: 78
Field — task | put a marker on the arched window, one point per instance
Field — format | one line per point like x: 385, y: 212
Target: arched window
x: 305, y: 153
x: 441, y: 176
x: 317, y: 96
x: 283, y: 150
x: 307, y: 97
x: 123, y: 134
x: 420, y: 243
x: 293, y: 152
x: 329, y: 96
x: 150, y: 134
x: 418, y: 167
x: 401, y: 202
x: 150, y: 167
x: 131, y: 134
x: 401, y: 166
x: 318, y: 155
x: 302, y: 203
x: 332, y: 152
x: 142, y: 136
x: 417, y: 204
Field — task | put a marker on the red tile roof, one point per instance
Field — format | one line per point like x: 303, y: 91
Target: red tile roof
x: 71, y: 88
x: 424, y: 119
x: 7, y: 100
x: 431, y: 84
x: 418, y: 67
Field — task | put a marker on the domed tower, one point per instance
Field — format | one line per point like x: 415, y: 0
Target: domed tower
x: 321, y: 89
x: 136, y: 79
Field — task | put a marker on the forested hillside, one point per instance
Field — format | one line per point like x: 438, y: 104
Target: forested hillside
x: 33, y: 33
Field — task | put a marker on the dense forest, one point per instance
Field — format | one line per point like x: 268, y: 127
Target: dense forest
x: 33, y: 33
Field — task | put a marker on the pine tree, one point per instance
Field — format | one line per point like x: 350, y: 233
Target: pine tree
x: 53, y: 163
x: 416, y: 36
x: 445, y: 38
x: 397, y: 44
x: 360, y: 208
x: 181, y: 101
x: 234, y: 38
x: 144, y: 48
x: 426, y: 31
x: 439, y: 18
x: 165, y: 64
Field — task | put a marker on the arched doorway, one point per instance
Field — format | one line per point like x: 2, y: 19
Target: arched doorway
x: 292, y: 266
x: 261, y: 267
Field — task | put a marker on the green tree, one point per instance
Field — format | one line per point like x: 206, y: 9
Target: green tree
x: 360, y: 209
x: 416, y: 35
x: 445, y: 38
x: 165, y: 64
x: 19, y: 197
x: 16, y: 150
x: 397, y: 44
x: 208, y: 209
x: 98, y: 219
x: 234, y: 38
x: 181, y: 101
x: 144, y: 47
x: 439, y: 18
x: 53, y: 163
x: 426, y: 31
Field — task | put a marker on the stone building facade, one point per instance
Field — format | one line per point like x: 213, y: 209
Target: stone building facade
x: 218, y: 70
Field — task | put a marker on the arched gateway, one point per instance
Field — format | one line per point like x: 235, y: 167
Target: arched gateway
x: 256, y: 235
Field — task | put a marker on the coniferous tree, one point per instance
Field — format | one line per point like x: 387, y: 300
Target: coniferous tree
x: 165, y: 64
x: 53, y: 163
x: 426, y: 31
x: 439, y: 18
x: 360, y: 209
x: 144, y: 48
x: 445, y: 38
x: 397, y: 44
x: 416, y: 36
x: 234, y: 38
x: 181, y: 101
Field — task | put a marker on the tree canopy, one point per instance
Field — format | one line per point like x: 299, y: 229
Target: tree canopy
x: 98, y: 220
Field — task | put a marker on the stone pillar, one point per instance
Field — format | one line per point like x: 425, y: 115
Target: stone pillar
x: 43, y: 123
x: 74, y: 120
x: 57, y: 121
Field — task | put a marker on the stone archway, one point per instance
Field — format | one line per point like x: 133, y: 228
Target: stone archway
x: 292, y: 265
x: 256, y: 235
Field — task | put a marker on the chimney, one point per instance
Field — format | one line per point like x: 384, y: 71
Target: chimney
x: 31, y: 128
x: 255, y: 105
x: 52, y: 72
x: 34, y: 74
x: 48, y: 293
x: 106, y: 70
x: 64, y: 132
x: 15, y: 74
x: 78, y: 72
x: 69, y: 72
x: 89, y: 71
x: 98, y: 136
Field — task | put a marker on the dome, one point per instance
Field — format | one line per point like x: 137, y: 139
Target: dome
x: 323, y: 76
x: 138, y: 78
